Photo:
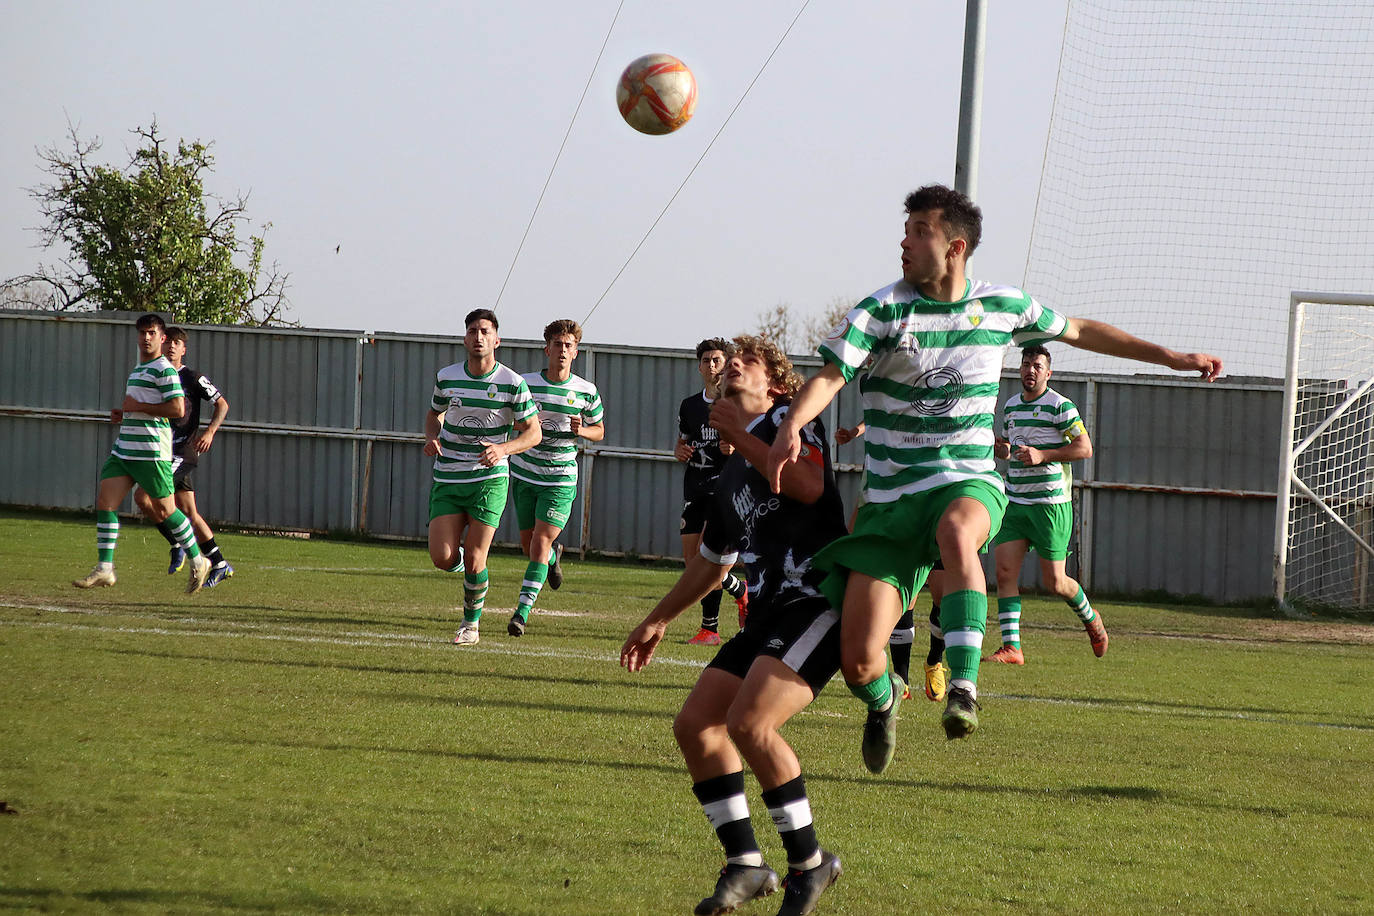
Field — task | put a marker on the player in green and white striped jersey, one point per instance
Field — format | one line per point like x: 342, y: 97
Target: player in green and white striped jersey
x: 932, y: 489
x: 546, y: 475
x: 142, y: 456
x: 1041, y: 431
x: 480, y: 414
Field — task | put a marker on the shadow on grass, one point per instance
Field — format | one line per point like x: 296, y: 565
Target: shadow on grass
x: 167, y: 900
x: 253, y: 613
x: 676, y: 770
x: 505, y: 702
x: 1144, y: 794
x: 1265, y: 714
x: 485, y: 676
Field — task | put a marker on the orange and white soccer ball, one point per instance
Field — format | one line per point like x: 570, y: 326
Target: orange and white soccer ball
x: 657, y: 94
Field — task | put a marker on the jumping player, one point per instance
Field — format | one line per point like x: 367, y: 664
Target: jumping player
x: 932, y: 489
x: 786, y: 652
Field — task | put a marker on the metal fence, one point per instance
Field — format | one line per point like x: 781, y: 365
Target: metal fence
x: 324, y: 434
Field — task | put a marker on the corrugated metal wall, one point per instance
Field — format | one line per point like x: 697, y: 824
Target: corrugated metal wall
x: 325, y: 434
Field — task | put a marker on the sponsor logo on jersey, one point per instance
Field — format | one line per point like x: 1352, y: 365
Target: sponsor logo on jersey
x: 936, y: 391
x: 744, y: 503
x: 906, y: 336
x: 839, y: 330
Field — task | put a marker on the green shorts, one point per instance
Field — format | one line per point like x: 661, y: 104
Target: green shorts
x: 482, y: 500
x: 155, y: 477
x: 895, y: 542
x: 1046, y: 525
x: 537, y: 503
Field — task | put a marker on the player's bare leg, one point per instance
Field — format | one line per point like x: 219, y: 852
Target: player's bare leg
x: 962, y: 530
x: 537, y: 543
x: 718, y: 782
x: 871, y: 610
x: 772, y: 694
x: 1008, y: 556
x: 110, y: 494
x: 477, y: 539
x: 445, y: 542
x: 1068, y: 588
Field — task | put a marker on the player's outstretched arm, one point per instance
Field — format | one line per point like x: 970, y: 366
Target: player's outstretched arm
x: 700, y: 577
x: 1101, y: 337
x: 818, y: 391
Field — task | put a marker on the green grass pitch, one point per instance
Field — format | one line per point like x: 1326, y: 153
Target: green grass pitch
x: 305, y: 739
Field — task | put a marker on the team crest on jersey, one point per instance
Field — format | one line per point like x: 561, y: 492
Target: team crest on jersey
x: 572, y: 399
x: 491, y: 392
x: 974, y: 313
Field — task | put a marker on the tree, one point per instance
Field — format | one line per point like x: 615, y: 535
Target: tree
x: 797, y: 332
x: 147, y: 238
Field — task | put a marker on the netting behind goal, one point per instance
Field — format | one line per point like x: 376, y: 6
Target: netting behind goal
x: 1325, y: 526
x: 1203, y: 160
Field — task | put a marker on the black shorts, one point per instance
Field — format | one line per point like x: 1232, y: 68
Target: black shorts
x: 183, y: 477
x: 694, y: 514
x: 806, y: 638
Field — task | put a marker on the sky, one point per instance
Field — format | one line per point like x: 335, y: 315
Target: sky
x: 416, y: 138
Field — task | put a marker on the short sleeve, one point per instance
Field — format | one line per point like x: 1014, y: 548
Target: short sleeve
x: 849, y: 344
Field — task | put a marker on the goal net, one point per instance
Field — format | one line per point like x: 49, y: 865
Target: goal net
x: 1202, y: 161
x: 1324, y: 530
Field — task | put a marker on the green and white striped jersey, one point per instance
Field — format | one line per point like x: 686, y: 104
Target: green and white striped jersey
x: 553, y: 462
x: 477, y: 411
x: 931, y: 395
x: 1046, y: 422
x: 143, y: 437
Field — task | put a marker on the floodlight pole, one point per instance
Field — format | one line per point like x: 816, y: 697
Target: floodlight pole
x: 971, y: 100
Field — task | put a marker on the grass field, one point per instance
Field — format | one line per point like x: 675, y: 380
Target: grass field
x: 305, y: 739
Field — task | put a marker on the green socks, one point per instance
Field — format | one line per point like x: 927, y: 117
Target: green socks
x: 1009, y: 619
x: 876, y: 694
x: 106, y: 533
x: 1081, y: 607
x: 535, y: 574
x: 474, y: 595
x: 181, y: 530
x: 963, y: 617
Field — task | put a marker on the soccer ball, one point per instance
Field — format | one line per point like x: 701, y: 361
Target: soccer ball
x: 657, y: 94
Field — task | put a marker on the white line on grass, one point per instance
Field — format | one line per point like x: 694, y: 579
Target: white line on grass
x: 305, y: 635
x: 301, y: 634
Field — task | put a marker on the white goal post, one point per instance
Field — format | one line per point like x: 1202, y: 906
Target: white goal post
x: 1324, y: 522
